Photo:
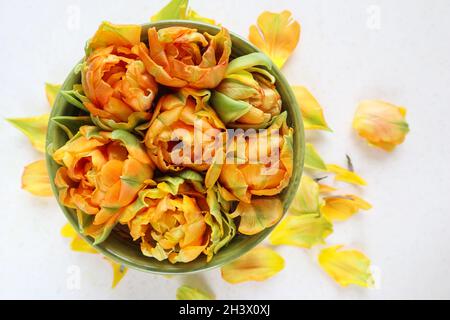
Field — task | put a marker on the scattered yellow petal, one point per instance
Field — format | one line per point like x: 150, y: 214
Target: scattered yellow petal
x: 194, y: 16
x: 35, y: 179
x: 312, y: 112
x: 77, y: 244
x: 68, y: 231
x: 340, y: 208
x: 276, y: 34
x: 382, y: 124
x: 259, y: 264
x: 307, y: 200
x: 188, y: 293
x: 346, y: 175
x: 302, y: 231
x: 346, y: 266
x: 179, y: 10
x: 34, y: 128
x: 324, y: 188
x: 51, y: 91
x: 313, y: 159
x: 119, y: 271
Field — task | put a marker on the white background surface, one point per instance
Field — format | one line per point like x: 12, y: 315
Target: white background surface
x: 342, y: 59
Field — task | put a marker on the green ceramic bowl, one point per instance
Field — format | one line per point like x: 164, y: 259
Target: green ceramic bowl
x: 128, y: 253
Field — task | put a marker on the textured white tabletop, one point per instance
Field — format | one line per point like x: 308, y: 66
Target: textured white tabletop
x: 350, y: 50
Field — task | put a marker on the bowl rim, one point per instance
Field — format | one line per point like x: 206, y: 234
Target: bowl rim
x: 298, y: 167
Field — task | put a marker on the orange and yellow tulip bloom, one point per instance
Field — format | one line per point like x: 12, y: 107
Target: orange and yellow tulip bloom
x: 247, y: 97
x: 183, y: 123
x: 178, y: 220
x: 182, y: 57
x: 244, y: 176
x: 114, y: 80
x: 101, y: 174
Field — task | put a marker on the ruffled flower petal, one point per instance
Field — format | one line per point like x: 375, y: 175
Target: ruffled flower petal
x: 346, y: 266
x: 382, y: 124
x: 259, y: 264
x: 276, y: 34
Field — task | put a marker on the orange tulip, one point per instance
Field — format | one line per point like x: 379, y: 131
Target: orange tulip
x: 115, y: 81
x: 101, y: 174
x: 247, y: 97
x: 183, y: 131
x: 178, y: 221
x: 244, y: 175
x: 182, y: 57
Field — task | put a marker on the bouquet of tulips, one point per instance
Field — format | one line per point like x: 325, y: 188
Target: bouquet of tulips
x: 175, y: 140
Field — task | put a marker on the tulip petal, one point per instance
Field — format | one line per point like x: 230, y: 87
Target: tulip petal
x: 323, y: 189
x: 174, y: 10
x: 340, y: 208
x: 306, y: 200
x: 312, y: 112
x: 75, y: 98
x: 112, y: 34
x: 248, y: 61
x: 313, y: 159
x: 194, y: 16
x: 229, y: 110
x: 119, y: 271
x: 35, y: 179
x: 259, y: 264
x: 346, y: 266
x: 34, y: 128
x: 188, y: 293
x: 179, y: 10
x: 133, y: 145
x: 346, y: 175
x: 223, y: 228
x: 382, y: 124
x: 304, y: 231
x: 51, y: 91
x: 70, y: 125
x: 258, y: 215
x: 77, y: 244
x: 276, y: 34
